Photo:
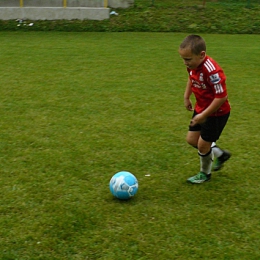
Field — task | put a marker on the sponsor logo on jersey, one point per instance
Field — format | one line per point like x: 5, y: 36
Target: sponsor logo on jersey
x: 197, y: 84
x: 215, y: 79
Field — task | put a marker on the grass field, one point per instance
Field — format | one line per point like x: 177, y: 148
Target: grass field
x: 182, y: 16
x: 78, y: 107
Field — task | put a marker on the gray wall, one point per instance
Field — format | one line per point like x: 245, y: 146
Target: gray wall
x: 53, y: 9
x: 70, y: 3
x: 54, y: 13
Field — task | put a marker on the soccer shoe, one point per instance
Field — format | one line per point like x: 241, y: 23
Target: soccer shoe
x: 199, y: 178
x: 219, y: 162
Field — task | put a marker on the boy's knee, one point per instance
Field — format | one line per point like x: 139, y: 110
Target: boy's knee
x: 192, y: 142
x: 192, y: 138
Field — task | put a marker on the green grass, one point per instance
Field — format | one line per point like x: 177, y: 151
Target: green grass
x: 78, y: 107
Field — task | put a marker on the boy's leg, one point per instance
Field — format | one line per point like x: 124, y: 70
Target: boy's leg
x: 193, y: 134
x: 221, y: 156
x: 206, y: 156
x: 206, y: 159
x: 192, y: 138
x: 210, y: 131
x: 216, y: 150
x: 219, y: 162
x: 214, y: 130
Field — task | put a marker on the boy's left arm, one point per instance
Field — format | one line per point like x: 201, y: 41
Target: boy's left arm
x: 212, y: 108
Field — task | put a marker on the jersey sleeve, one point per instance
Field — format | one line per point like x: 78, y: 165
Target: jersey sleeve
x: 216, y: 79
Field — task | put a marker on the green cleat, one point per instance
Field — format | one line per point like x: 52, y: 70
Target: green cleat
x: 219, y: 162
x: 199, y: 178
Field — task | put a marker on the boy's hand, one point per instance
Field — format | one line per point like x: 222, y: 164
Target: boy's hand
x: 188, y: 104
x: 198, y: 119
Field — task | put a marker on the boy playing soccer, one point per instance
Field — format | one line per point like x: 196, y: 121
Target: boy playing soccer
x: 207, y: 82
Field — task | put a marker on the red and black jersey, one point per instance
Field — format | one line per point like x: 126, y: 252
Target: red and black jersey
x: 208, y: 81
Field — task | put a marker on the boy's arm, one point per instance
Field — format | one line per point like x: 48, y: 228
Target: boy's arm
x: 187, y: 94
x: 213, y: 107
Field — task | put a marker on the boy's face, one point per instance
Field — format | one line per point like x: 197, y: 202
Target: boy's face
x: 191, y: 60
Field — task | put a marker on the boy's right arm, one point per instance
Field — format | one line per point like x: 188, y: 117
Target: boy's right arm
x: 187, y: 94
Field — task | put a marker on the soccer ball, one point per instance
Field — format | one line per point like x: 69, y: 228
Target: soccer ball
x: 123, y: 185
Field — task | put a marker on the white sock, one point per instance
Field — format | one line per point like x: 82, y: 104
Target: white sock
x: 216, y: 150
x: 206, y: 162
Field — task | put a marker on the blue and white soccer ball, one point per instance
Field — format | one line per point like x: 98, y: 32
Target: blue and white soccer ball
x: 123, y: 185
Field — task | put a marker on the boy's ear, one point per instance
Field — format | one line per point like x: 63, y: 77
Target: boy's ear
x: 203, y: 54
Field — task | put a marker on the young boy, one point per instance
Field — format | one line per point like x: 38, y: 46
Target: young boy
x: 207, y: 82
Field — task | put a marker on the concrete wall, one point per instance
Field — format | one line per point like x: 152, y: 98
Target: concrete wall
x: 70, y: 3
x: 54, y: 10
x: 54, y: 13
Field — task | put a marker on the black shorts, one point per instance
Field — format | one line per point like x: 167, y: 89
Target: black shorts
x: 212, y: 128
